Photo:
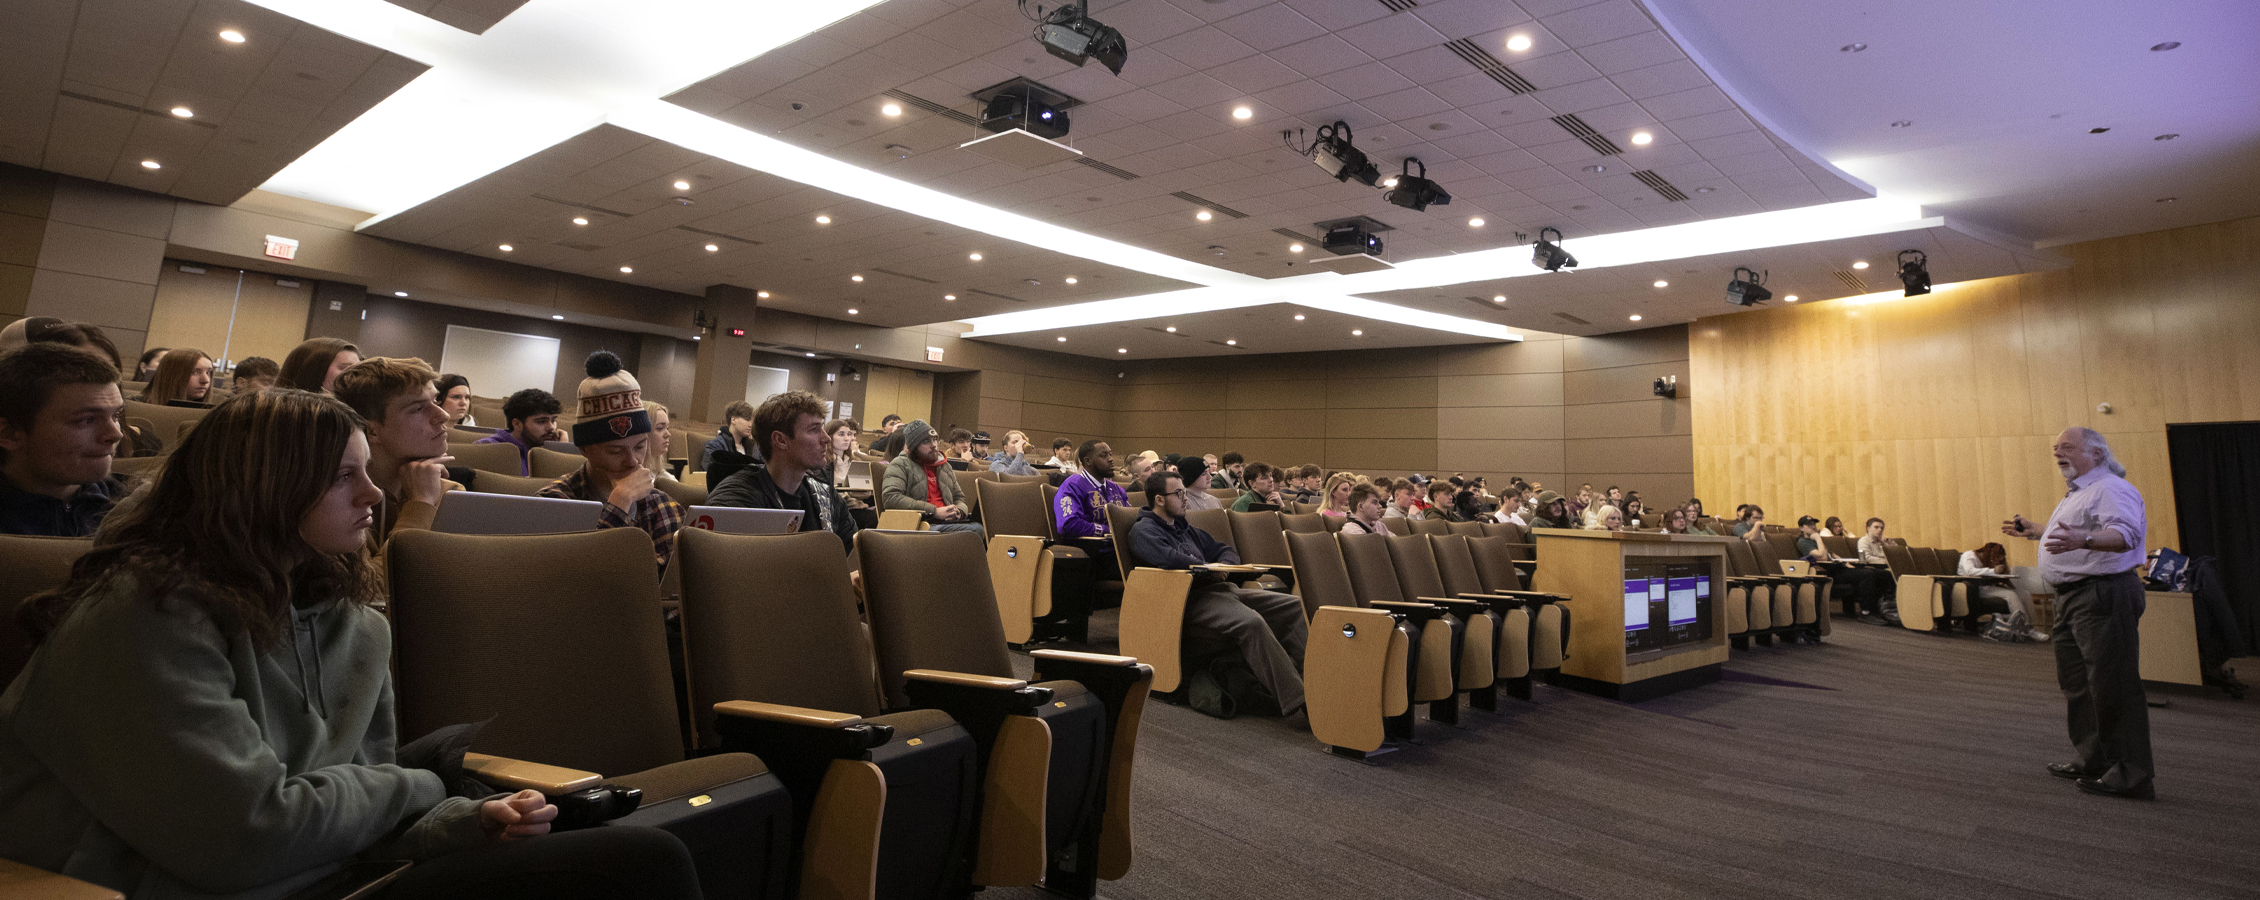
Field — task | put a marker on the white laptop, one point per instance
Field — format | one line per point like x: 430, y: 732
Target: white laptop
x: 465, y: 512
x: 732, y: 520
x: 858, y: 481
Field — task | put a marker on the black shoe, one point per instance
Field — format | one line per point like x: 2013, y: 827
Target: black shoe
x: 2138, y: 792
x: 2067, y: 770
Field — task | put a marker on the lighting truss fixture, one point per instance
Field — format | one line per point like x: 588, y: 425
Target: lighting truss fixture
x: 1416, y: 192
x: 1344, y: 240
x: 1549, y: 255
x: 1747, y: 288
x: 1914, y: 273
x: 1341, y: 158
x: 1019, y: 108
x: 1071, y: 34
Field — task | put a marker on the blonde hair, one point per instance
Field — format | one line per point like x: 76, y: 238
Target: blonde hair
x: 1326, y: 495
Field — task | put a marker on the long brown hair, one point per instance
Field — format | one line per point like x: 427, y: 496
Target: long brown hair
x: 171, y: 381
x: 1992, y: 556
x: 309, y: 363
x: 220, y: 525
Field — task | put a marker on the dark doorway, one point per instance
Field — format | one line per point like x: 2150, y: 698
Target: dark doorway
x: 2217, y: 500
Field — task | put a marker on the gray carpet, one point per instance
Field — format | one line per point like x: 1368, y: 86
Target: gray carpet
x: 1884, y: 763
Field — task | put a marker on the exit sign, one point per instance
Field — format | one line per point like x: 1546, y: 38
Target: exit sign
x: 737, y: 332
x: 282, y: 247
x: 933, y: 354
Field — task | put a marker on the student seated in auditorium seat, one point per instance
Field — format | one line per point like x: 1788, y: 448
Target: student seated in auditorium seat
x: 1194, y: 470
x: 1079, y: 509
x: 1871, y: 547
x: 1443, y: 503
x: 1748, y: 518
x: 1337, y: 495
x: 1605, y: 518
x: 610, y: 429
x: 183, y: 378
x: 1365, y: 512
x: 399, y: 399
x: 736, y: 436
x: 2014, y: 626
x: 1232, y: 472
x: 1226, y: 625
x: 529, y: 421
x: 1510, y: 507
x: 1695, y: 519
x: 921, y: 479
x: 1552, y: 512
x: 1063, y: 456
x: 1636, y: 514
x: 1263, y: 490
x: 1140, y: 466
x: 961, y: 445
x: 1675, y: 521
x: 254, y: 374
x: 1403, y: 498
x: 59, y: 426
x: 1303, y: 483
x: 789, y: 427
x: 1013, y: 459
x: 215, y: 717
x: 455, y: 397
x: 315, y: 363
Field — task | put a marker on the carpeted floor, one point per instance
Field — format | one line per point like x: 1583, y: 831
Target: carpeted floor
x: 1884, y: 763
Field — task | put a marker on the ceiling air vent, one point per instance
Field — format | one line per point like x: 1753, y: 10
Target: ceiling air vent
x: 587, y: 206
x: 1570, y: 318
x: 717, y: 234
x: 1293, y: 234
x: 993, y: 294
x: 1665, y: 189
x: 128, y: 107
x: 1490, y: 65
x: 584, y: 248
x: 1852, y: 281
x: 1211, y: 205
x: 1124, y: 174
x: 1400, y: 5
x: 933, y: 107
x: 904, y: 275
x: 1594, y: 139
x: 1228, y: 346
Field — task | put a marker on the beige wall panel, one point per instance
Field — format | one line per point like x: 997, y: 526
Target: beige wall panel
x: 20, y: 237
x: 1379, y: 393
x: 1048, y: 417
x: 1631, y: 383
x: 103, y: 254
x: 1416, y: 422
x: 1276, y: 423
x: 1527, y: 389
x: 1535, y: 354
x: 1168, y: 396
x: 1521, y: 423
x: 1636, y: 418
x: 112, y: 208
x: 1510, y: 457
x: 1002, y: 385
x: 15, y: 289
x: 1648, y: 346
x: 1381, y: 456
x: 1670, y: 453
x: 1170, y: 423
x: 204, y: 311
x: 1278, y: 451
x: 992, y: 410
x: 102, y: 301
x: 1269, y: 395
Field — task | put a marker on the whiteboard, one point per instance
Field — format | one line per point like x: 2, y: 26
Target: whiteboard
x: 763, y: 382
x: 500, y: 363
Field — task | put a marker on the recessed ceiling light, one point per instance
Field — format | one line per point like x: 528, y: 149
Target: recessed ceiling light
x: 1662, y: 283
x: 1852, y: 48
x: 854, y: 312
x: 1070, y: 279
x: 809, y: 355
x: 1519, y: 43
x: 400, y: 293
x: 1298, y: 317
x: 580, y: 220
x: 184, y: 112
x: 1704, y: 190
x: 1294, y: 248
x: 856, y: 278
x: 507, y: 248
x: 2167, y: 199
x: 562, y: 318
x: 625, y: 270
x: 823, y: 220
x: 1171, y: 329
x: 1636, y: 317
x: 1789, y: 299
x: 1476, y: 222
x: 1063, y: 339
x: 891, y: 109
x: 682, y: 185
x: 2165, y: 137
x: 973, y: 256
x: 949, y: 296
x: 1356, y: 333
x: 1860, y: 265
x: 2161, y: 48
x: 1121, y: 349
x: 150, y: 164
x: 1243, y: 113
x: 761, y: 294
x: 1596, y: 168
x: 1642, y: 137
x: 714, y: 248
x: 1231, y: 342
x: 232, y: 36
x: 697, y: 338
x: 1204, y: 215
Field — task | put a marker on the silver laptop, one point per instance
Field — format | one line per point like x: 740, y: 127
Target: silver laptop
x: 858, y: 481
x: 732, y: 520
x: 465, y: 512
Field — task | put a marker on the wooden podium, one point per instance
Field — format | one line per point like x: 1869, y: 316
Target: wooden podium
x: 1589, y: 567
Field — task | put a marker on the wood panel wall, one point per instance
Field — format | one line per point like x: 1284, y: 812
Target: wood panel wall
x: 229, y: 313
x: 1937, y: 412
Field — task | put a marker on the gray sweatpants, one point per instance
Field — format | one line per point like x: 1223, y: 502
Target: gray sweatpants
x: 1265, y: 628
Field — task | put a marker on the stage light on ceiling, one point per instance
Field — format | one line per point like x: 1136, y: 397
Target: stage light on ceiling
x: 1914, y: 274
x: 1070, y: 33
x: 1642, y: 138
x: 1862, y: 264
x: 1243, y: 113
x: 682, y: 185
x: 1747, y: 288
x: 1549, y: 255
x: 184, y: 112
x: 1389, y: 182
x: 1346, y: 239
x: 580, y: 220
x: 507, y: 248
x: 232, y: 36
x: 1519, y: 43
x: 891, y: 109
x: 151, y: 164
x: 1337, y: 154
x: 1416, y: 192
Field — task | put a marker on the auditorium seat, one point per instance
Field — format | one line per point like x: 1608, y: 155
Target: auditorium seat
x: 1359, y: 666
x: 1809, y: 602
x: 780, y: 666
x: 611, y: 710
x: 1469, y: 529
x: 1373, y: 576
x: 1225, y: 496
x: 1427, y: 526
x: 1032, y: 602
x: 499, y: 483
x: 1038, y: 478
x: 1420, y: 579
x: 553, y: 465
x: 501, y: 458
x: 29, y: 565
x: 166, y: 422
x: 681, y: 492
x: 931, y: 610
x: 1510, y: 638
x: 1922, y: 598
x: 1548, y: 643
x: 1218, y: 524
x: 1771, y: 598
x: 1304, y: 522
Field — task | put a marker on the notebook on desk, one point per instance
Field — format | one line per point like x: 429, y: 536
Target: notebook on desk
x: 464, y: 512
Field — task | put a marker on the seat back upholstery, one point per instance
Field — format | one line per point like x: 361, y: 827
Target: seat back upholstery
x: 682, y: 492
x: 1014, y: 508
x: 1119, y: 521
x: 1305, y: 522
x: 168, y: 421
x: 1051, y: 511
x: 606, y: 706
x: 1372, y: 574
x: 772, y: 618
x: 549, y: 463
x: 931, y: 606
x: 1470, y: 529
x: 501, y: 458
x: 499, y: 483
x: 1841, y: 547
x: 1455, y: 565
x: 1334, y: 523
x: 1024, y: 479
x: 1224, y: 495
x: 1902, y: 561
x: 1743, y: 560
x: 1417, y: 571
x: 1515, y: 534
x: 1320, y: 576
x: 29, y: 565
x: 1932, y: 561
x: 1430, y: 526
x: 1218, y: 524
x: 1494, y: 564
x: 132, y: 467
x: 1260, y: 539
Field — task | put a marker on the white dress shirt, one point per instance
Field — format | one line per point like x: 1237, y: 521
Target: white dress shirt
x: 2098, y: 500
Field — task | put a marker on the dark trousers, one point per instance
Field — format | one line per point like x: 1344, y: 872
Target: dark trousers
x: 1865, y: 586
x: 1265, y: 628
x: 2098, y: 664
x: 614, y: 863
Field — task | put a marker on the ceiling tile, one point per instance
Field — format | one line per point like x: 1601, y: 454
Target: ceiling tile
x: 1668, y: 78
x: 1270, y: 26
x: 1391, y: 36
x: 1637, y: 51
x: 1597, y: 23
x: 1318, y: 57
x: 1454, y: 19
x: 1584, y: 95
x: 1204, y: 48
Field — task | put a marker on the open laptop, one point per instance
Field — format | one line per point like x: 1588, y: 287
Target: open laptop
x: 732, y: 520
x: 465, y: 512
x: 858, y: 481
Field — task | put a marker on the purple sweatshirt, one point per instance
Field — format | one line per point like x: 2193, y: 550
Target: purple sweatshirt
x: 1080, y: 511
x: 525, y: 467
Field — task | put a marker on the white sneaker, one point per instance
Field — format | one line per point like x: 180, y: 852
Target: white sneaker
x: 2037, y: 636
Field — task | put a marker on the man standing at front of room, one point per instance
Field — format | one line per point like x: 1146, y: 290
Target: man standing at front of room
x: 2088, y: 552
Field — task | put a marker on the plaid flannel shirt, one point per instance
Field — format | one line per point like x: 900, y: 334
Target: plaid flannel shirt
x: 657, y: 514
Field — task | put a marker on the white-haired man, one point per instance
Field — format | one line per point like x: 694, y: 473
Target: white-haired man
x: 2088, y: 552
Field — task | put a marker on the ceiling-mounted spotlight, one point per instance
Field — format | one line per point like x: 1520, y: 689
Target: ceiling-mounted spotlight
x: 1416, y: 192
x: 1019, y: 108
x: 1549, y: 255
x: 1344, y: 240
x: 1071, y: 34
x: 1914, y: 273
x: 1335, y: 153
x: 1747, y: 291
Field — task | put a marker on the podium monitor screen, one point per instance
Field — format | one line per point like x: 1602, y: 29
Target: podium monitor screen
x: 1666, y: 603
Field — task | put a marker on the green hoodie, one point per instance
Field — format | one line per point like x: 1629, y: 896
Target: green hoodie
x: 144, y: 750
